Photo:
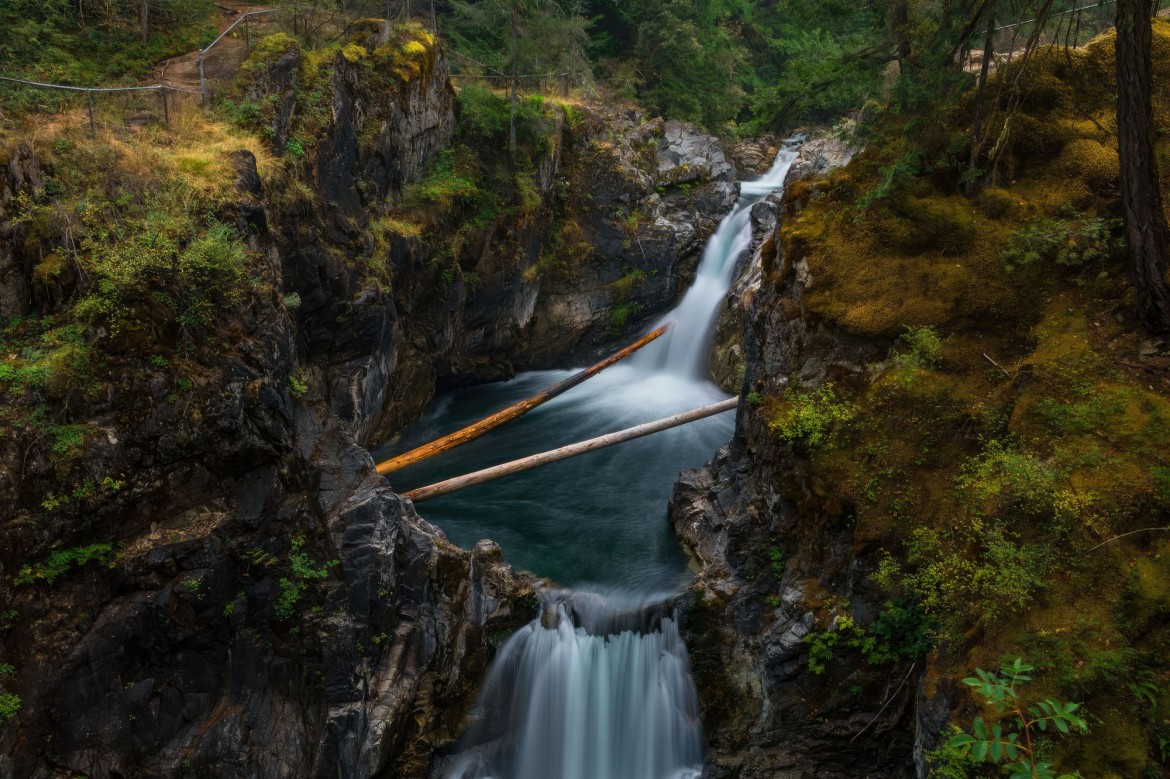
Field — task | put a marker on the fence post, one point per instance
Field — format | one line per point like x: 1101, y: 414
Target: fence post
x: 202, y: 82
x: 247, y: 36
x: 166, y: 109
x: 89, y: 98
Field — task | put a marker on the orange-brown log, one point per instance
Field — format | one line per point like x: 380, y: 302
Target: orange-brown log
x: 474, y: 431
x: 565, y: 452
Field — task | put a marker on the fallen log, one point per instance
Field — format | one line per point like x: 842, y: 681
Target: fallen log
x: 474, y: 431
x: 565, y: 452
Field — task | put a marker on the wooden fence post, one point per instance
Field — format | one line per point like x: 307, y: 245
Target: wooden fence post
x: 166, y: 108
x: 202, y: 82
x: 89, y: 99
x: 247, y: 36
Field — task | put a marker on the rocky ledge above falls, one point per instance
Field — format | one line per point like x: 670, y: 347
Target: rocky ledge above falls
x: 817, y: 155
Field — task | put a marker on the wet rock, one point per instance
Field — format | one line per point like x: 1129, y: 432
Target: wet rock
x: 727, y: 361
x: 754, y: 156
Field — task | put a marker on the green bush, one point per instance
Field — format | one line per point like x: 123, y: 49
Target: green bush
x: 450, y: 182
x: 811, y: 418
x: 1072, y: 243
x: 1012, y: 740
x: 9, y: 706
x: 302, y: 571
x: 925, y: 347
x: 1003, y: 477
x: 59, y: 563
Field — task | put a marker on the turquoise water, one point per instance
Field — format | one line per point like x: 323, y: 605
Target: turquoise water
x: 597, y: 519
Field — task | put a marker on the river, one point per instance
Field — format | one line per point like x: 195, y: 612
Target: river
x: 598, y: 687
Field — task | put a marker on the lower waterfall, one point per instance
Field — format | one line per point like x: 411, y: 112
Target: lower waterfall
x: 564, y: 699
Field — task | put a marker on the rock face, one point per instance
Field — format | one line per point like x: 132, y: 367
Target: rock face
x: 273, y: 609
x: 22, y: 174
x: 779, y: 560
x: 630, y: 201
x: 817, y: 156
x: 645, y: 196
x: 254, y: 601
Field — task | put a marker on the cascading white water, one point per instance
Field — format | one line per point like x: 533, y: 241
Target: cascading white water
x: 562, y: 702
x: 683, y: 350
x: 599, y: 687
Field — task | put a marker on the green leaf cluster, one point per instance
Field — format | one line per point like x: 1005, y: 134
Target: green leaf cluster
x: 811, y: 418
x: 9, y: 706
x: 1011, y: 741
x: 59, y: 563
x: 1069, y: 242
x: 303, y: 571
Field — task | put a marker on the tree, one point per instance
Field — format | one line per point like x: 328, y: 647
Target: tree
x: 514, y: 40
x: 1146, y: 231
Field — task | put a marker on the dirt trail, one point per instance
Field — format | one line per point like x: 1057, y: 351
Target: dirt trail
x: 221, y: 62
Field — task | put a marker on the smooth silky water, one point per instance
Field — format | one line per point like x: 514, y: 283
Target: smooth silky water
x: 598, y: 686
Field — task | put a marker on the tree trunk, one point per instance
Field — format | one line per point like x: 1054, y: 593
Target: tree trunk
x: 513, y: 96
x: 565, y: 452
x: 1146, y: 231
x: 900, y: 29
x: 984, y: 69
x: 144, y: 14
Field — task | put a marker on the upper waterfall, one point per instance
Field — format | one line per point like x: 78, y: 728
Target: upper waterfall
x: 683, y: 350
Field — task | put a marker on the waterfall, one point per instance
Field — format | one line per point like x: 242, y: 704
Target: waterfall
x: 683, y: 351
x: 567, y: 699
x: 599, y: 686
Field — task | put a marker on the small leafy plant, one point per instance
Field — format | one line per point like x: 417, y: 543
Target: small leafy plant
x: 1072, y: 243
x: 9, y: 706
x: 925, y: 347
x: 304, y: 571
x: 811, y: 418
x: 1011, y: 743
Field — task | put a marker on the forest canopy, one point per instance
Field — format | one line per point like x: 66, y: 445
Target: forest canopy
x: 745, y: 66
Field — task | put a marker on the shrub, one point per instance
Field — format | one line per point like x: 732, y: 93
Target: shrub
x: 297, y: 386
x: 303, y: 571
x: 811, y: 418
x: 1072, y: 243
x: 1004, y: 479
x: 1011, y: 742
x: 60, y: 563
x: 9, y: 706
x: 269, y: 49
x: 925, y: 347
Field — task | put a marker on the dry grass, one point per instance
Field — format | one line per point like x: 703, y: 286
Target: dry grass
x: 194, y: 149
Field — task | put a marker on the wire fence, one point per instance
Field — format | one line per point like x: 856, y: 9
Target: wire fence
x: 1071, y: 28
x: 135, y: 105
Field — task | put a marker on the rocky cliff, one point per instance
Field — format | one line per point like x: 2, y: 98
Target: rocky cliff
x: 202, y: 575
x: 777, y: 551
x: 493, y: 263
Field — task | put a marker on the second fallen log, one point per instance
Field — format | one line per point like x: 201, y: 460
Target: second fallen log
x: 565, y: 452
x: 470, y: 432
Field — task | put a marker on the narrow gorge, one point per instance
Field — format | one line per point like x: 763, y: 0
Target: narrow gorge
x: 904, y: 241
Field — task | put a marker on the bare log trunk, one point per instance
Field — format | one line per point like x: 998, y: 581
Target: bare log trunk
x: 565, y: 452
